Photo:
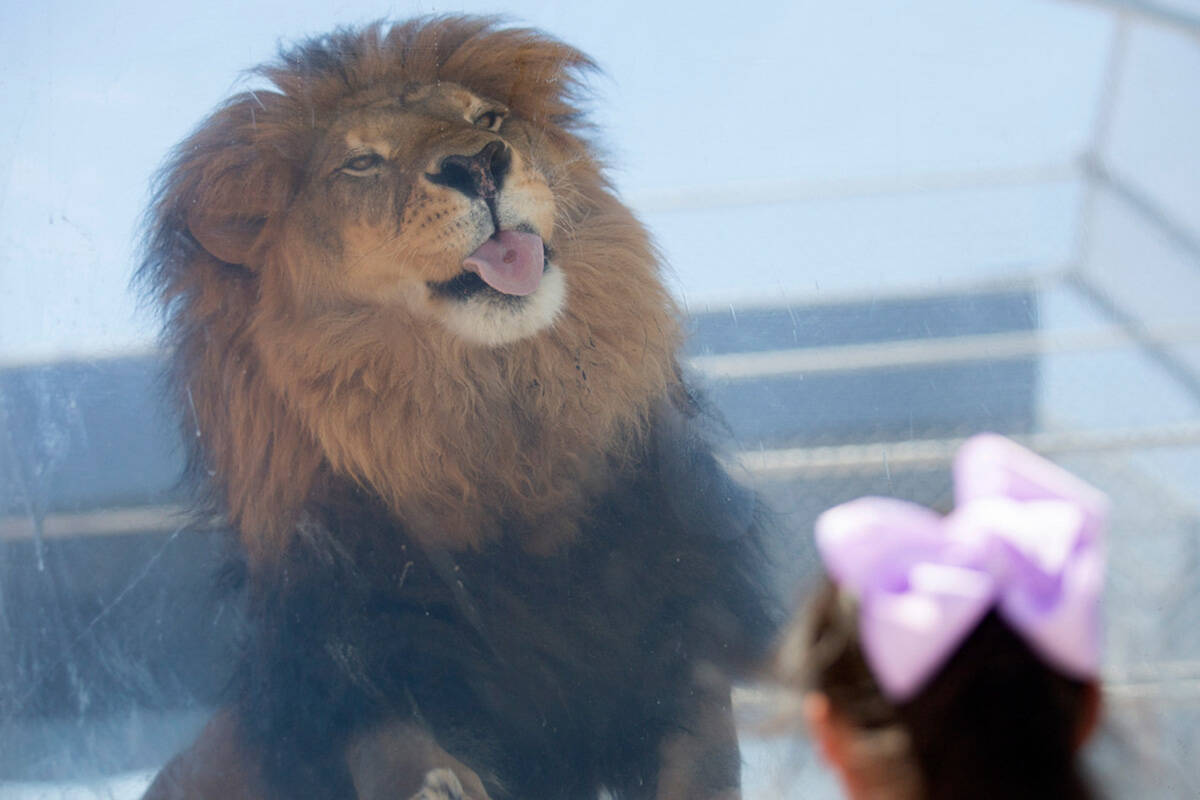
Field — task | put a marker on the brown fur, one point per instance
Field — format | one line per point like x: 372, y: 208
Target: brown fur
x: 305, y: 242
x: 294, y: 372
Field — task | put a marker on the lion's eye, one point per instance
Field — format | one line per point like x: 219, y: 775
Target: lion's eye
x: 360, y: 165
x: 489, y: 120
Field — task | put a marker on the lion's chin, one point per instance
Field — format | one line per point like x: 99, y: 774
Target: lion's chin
x: 493, y: 319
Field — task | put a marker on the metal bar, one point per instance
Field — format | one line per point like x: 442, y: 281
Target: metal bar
x: 104, y: 522
x: 75, y: 355
x: 928, y: 352
x: 1177, y: 232
x: 1024, y: 278
x: 1156, y: 348
x: 806, y: 191
x: 1106, y: 109
x: 878, y: 456
x: 1148, y: 11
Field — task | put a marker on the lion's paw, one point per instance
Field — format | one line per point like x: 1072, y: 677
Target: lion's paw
x: 441, y: 784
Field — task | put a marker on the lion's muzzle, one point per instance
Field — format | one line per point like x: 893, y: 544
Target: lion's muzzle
x: 478, y: 176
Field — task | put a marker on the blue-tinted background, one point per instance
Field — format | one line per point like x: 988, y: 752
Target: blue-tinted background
x: 893, y: 224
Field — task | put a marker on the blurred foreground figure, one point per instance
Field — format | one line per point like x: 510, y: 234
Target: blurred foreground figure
x: 958, y: 656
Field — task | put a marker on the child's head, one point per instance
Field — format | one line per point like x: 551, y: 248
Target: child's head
x: 957, y: 657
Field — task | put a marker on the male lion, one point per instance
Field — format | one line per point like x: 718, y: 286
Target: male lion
x: 427, y: 367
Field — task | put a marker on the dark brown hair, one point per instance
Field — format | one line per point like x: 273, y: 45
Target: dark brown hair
x: 995, y: 722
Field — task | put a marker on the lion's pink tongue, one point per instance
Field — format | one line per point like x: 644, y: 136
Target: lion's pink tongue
x: 510, y: 262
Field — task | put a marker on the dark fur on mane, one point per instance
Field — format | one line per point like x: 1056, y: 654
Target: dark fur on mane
x: 550, y: 676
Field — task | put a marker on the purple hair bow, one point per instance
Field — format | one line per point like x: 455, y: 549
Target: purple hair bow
x: 1025, y: 538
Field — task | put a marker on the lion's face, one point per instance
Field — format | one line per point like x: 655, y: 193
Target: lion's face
x: 431, y: 203
x: 401, y: 265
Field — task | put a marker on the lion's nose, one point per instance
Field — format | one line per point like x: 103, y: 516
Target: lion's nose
x: 480, y: 175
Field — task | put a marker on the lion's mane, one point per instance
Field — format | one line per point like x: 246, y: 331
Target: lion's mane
x: 527, y: 552
x: 452, y: 436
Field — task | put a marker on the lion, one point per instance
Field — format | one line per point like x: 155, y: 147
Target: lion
x: 427, y: 368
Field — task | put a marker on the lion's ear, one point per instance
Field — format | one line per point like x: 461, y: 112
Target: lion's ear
x: 233, y: 203
x: 226, y: 236
x: 235, y: 176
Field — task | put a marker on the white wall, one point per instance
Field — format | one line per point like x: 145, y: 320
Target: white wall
x: 717, y: 102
